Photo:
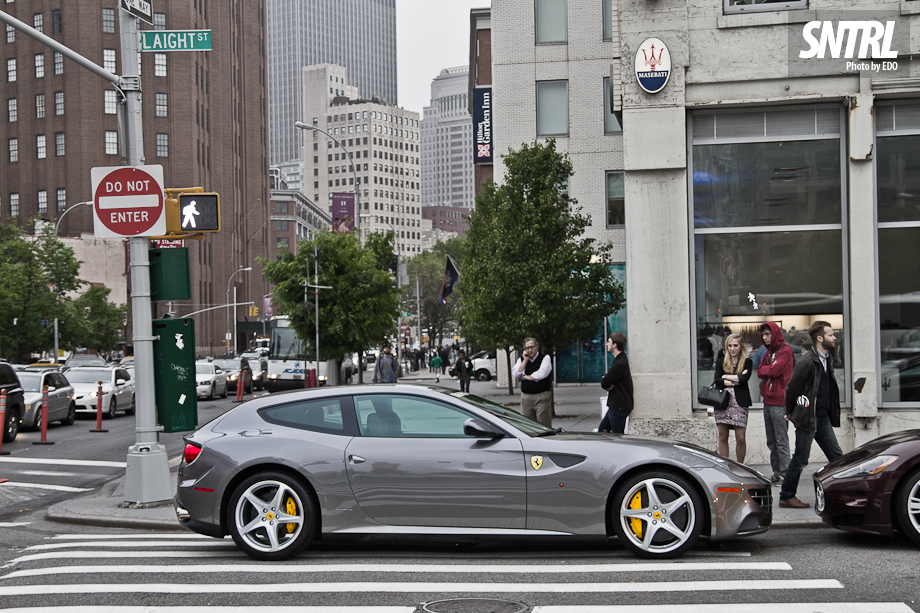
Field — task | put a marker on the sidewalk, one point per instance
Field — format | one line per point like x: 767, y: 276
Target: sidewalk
x: 577, y: 409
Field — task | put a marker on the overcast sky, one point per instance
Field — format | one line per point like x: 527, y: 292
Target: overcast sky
x: 430, y: 35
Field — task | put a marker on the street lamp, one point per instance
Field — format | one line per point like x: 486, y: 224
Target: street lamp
x: 305, y: 126
x: 58, y: 224
x: 229, y: 336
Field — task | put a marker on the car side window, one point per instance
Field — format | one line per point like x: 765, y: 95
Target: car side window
x: 398, y: 416
x: 59, y: 380
x: 7, y: 376
x: 323, y: 415
x: 122, y: 374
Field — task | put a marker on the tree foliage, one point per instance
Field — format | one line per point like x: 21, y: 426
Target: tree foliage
x: 527, y: 268
x: 361, y: 308
x: 429, y: 267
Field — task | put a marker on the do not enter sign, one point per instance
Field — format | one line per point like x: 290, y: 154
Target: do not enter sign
x: 128, y: 201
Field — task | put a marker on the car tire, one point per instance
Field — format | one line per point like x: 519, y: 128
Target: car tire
x: 11, y: 427
x: 224, y: 394
x: 483, y: 375
x: 258, y: 531
x: 907, y: 506
x: 111, y: 409
x: 133, y: 408
x: 657, y: 514
x: 212, y: 391
x: 71, y: 415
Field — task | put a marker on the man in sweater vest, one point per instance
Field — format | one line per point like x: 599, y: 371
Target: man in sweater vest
x: 533, y: 369
x: 813, y: 407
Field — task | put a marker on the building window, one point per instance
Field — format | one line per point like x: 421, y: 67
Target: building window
x: 550, y: 21
x: 37, y: 22
x: 607, y: 7
x: 39, y: 106
x: 111, y: 142
x: 281, y: 208
x: 162, y: 145
x: 162, y: 109
x: 59, y: 144
x: 12, y: 110
x: 752, y: 6
x: 11, y: 70
x: 108, y: 21
x: 14, y: 205
x: 40, y: 151
x: 10, y: 34
x: 552, y: 108
x: 58, y: 103
x: 281, y: 225
x: 108, y: 60
x: 611, y: 122
x: 58, y: 63
x: 61, y: 199
x: 768, y: 194
x: 56, y: 25
x: 42, y: 197
x: 159, y: 64
x: 616, y: 200
x: 159, y: 21
x: 39, y: 65
x: 283, y: 243
x: 14, y: 150
x: 110, y: 99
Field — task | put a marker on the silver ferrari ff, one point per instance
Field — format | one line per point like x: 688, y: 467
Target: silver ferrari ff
x: 282, y: 470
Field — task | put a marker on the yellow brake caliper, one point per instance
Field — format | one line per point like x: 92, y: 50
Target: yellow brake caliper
x: 636, y: 524
x: 291, y: 508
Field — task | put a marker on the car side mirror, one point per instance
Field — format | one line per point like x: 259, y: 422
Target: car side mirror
x: 120, y: 381
x: 479, y: 428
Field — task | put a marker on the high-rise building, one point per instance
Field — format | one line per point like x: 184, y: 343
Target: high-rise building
x: 205, y: 120
x: 357, y: 34
x: 447, y: 142
x: 382, y: 144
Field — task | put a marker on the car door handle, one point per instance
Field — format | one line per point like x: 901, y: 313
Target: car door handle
x: 356, y: 459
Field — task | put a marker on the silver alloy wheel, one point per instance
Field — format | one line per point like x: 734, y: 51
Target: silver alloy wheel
x: 663, y: 519
x: 907, y: 506
x: 262, y: 519
x: 913, y: 506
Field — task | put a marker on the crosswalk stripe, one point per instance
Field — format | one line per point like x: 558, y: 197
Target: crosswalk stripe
x: 147, y: 535
x: 13, y: 524
x: 63, y: 462
x: 52, y: 473
x: 211, y: 543
x: 46, y: 486
x: 773, y: 607
x: 214, y: 609
x: 421, y: 587
x: 122, y: 555
x: 516, y: 569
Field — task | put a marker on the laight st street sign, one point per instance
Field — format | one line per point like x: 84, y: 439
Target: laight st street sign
x: 176, y: 40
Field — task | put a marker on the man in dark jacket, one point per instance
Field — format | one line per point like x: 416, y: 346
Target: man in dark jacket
x: 813, y: 407
x: 774, y: 371
x: 619, y: 386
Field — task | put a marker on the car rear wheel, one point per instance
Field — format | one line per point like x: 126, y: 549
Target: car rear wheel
x: 212, y: 391
x: 133, y: 408
x: 271, y: 516
x: 907, y: 506
x: 71, y: 415
x: 111, y: 409
x: 657, y: 514
x: 483, y: 375
x: 11, y: 427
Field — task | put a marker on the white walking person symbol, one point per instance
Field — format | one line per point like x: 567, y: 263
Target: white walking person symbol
x: 189, y: 211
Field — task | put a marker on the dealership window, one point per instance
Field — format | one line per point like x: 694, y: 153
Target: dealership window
x: 12, y: 109
x: 162, y: 145
x: 61, y: 199
x: 767, y: 207
x: 549, y: 18
x: 14, y: 150
x: 111, y: 142
x: 39, y: 106
x: 110, y: 100
x: 108, y: 21
x: 616, y: 200
x: 898, y: 145
x: 42, y: 197
x: 14, y: 205
x: 159, y: 64
x: 59, y: 144
x: 760, y: 6
x: 108, y: 60
x: 40, y: 151
x: 58, y: 103
x: 162, y: 109
x: 552, y: 108
x: 611, y: 122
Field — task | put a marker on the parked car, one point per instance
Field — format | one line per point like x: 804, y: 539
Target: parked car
x: 81, y: 360
x: 484, y: 366
x: 875, y: 488
x: 117, y: 389
x: 236, y: 368
x: 210, y: 379
x: 277, y: 471
x: 61, y: 404
x: 15, y: 401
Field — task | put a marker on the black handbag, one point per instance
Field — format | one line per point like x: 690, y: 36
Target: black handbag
x: 714, y: 397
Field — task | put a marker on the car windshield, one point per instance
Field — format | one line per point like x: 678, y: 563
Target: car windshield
x: 231, y: 364
x: 89, y: 375
x: 203, y: 369
x: 86, y: 362
x: 31, y: 381
x: 513, y: 418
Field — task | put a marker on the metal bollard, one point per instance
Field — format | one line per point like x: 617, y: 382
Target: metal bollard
x: 44, y: 440
x: 314, y: 381
x: 3, y: 420
x: 99, y: 409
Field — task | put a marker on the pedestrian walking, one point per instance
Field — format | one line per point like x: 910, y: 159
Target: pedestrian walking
x: 813, y: 407
x: 774, y: 371
x: 464, y: 371
x: 387, y: 368
x: 619, y: 386
x: 533, y: 369
x: 733, y: 370
x: 444, y: 356
x: 436, y: 365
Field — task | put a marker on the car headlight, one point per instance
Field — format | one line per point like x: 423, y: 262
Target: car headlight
x: 233, y: 377
x: 870, y: 467
x: 93, y: 394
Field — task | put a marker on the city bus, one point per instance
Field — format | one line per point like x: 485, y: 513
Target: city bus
x: 285, y: 358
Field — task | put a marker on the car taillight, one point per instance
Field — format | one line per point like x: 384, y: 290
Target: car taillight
x: 191, y: 452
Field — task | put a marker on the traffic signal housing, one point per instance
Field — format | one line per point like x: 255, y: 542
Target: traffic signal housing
x: 199, y: 212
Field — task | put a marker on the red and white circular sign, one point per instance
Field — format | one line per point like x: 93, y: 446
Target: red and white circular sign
x: 128, y: 201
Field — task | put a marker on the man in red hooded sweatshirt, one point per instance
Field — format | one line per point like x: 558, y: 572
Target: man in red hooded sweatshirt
x: 775, y: 370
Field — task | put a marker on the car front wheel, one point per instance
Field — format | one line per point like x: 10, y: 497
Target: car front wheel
x: 657, y: 514
x: 71, y: 415
x: 271, y: 516
x: 112, y: 408
x: 483, y: 375
x: 11, y: 427
x: 907, y: 506
x: 133, y: 408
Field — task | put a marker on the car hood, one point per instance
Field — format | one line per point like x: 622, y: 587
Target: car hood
x: 894, y: 443
x: 204, y: 378
x: 30, y: 397
x: 85, y: 388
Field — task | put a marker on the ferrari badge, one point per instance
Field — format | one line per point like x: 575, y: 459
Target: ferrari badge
x: 536, y: 461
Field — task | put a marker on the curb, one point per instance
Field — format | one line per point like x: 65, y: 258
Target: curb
x: 104, y: 521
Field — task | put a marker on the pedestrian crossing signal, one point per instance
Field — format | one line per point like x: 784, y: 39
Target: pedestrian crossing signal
x: 199, y: 212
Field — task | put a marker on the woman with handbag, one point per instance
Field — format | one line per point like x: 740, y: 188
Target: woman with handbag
x: 464, y: 369
x: 733, y: 369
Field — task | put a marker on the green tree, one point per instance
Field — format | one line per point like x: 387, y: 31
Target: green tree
x: 96, y: 323
x: 361, y: 308
x: 429, y: 267
x: 528, y: 269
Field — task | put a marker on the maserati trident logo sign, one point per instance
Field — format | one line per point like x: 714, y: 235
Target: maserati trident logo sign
x: 653, y: 65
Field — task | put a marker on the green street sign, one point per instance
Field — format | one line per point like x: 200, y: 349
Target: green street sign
x: 176, y: 40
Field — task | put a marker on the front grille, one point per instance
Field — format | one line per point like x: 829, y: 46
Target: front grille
x: 763, y: 497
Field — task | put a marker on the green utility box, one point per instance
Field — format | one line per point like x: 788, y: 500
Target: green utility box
x: 169, y: 276
x: 174, y: 374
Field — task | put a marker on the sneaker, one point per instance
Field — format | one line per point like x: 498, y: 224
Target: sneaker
x: 793, y: 503
x: 776, y: 479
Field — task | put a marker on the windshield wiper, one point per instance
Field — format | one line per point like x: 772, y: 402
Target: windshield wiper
x: 550, y: 432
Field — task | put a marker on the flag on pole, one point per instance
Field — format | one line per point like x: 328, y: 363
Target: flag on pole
x: 451, y: 278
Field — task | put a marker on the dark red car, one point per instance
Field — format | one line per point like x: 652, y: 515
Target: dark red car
x: 875, y: 488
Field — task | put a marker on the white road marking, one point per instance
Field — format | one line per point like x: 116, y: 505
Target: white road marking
x: 149, y: 535
x: 771, y: 607
x: 45, y: 486
x: 214, y: 609
x: 13, y: 524
x: 63, y: 462
x: 354, y: 587
x: 514, y: 569
x: 214, y: 543
x: 122, y: 555
x: 51, y: 473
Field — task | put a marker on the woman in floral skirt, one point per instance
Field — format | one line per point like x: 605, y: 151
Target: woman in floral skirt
x: 733, y: 369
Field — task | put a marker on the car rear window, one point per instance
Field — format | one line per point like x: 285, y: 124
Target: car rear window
x: 322, y: 415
